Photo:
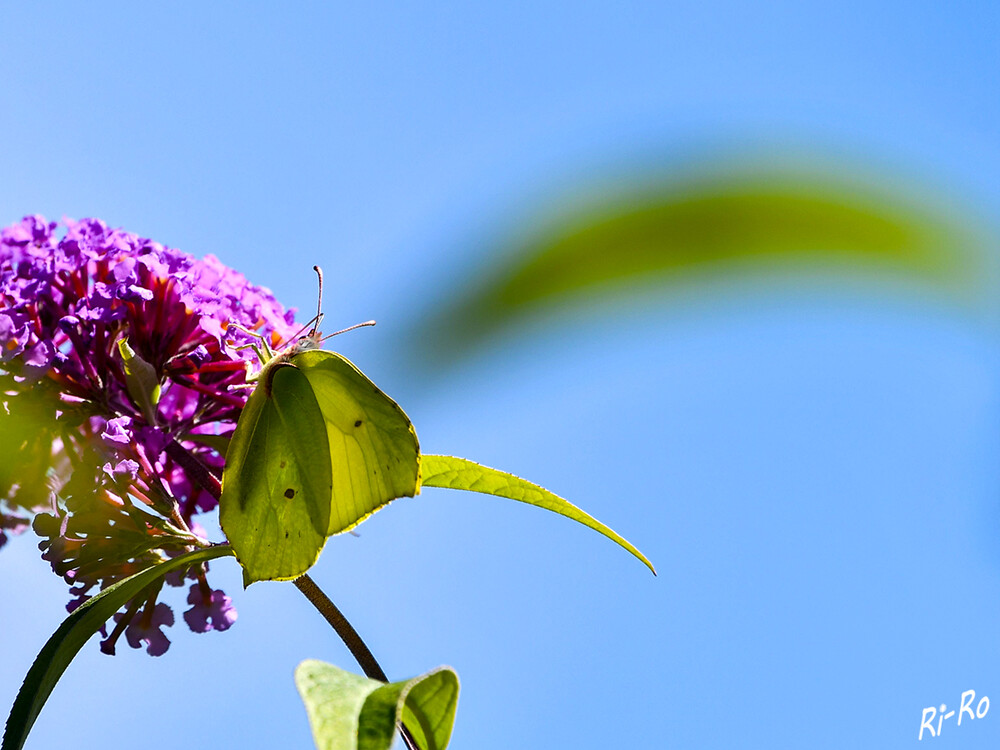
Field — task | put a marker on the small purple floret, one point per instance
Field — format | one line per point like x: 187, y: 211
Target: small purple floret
x: 217, y: 613
x: 150, y: 632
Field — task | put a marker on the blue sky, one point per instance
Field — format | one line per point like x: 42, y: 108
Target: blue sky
x: 811, y: 465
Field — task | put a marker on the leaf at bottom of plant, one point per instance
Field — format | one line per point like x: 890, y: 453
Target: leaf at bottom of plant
x: 351, y: 712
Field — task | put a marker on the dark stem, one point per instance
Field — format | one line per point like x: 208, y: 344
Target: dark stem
x: 344, y: 629
x: 351, y: 639
x: 195, y: 469
x: 197, y: 472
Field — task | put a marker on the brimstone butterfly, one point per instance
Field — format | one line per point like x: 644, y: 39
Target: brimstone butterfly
x: 318, y: 448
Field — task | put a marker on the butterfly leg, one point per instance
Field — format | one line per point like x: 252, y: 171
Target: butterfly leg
x: 263, y: 351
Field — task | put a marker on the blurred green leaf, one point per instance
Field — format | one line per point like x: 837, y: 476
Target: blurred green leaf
x: 462, y: 474
x: 77, y: 629
x: 351, y: 712
x: 699, y: 226
x: 28, y: 424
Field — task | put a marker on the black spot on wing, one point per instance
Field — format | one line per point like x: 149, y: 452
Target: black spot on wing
x: 357, y: 423
x: 290, y: 493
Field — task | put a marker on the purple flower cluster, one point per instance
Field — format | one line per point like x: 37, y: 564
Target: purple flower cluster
x: 118, y: 358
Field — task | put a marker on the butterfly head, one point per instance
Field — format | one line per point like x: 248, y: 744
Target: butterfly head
x: 311, y: 340
x: 302, y: 341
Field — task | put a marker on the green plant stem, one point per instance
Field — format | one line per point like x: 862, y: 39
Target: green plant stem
x: 362, y: 654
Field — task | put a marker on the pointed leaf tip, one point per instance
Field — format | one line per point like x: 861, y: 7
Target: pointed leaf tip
x: 461, y: 474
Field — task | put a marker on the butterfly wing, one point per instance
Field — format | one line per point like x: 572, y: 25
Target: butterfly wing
x: 373, y: 449
x: 275, y: 504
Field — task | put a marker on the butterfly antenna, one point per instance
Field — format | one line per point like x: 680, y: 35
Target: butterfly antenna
x: 349, y: 328
x: 319, y: 299
x: 313, y: 325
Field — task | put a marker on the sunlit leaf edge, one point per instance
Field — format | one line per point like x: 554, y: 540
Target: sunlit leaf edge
x: 455, y: 473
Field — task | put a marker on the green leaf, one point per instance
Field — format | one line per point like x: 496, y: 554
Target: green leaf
x: 351, y: 712
x: 76, y: 630
x: 318, y: 448
x: 28, y: 424
x: 462, y: 474
x: 692, y: 227
x: 141, y: 380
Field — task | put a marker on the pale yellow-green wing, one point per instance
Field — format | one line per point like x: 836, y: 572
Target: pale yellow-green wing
x: 373, y: 450
x: 275, y: 503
